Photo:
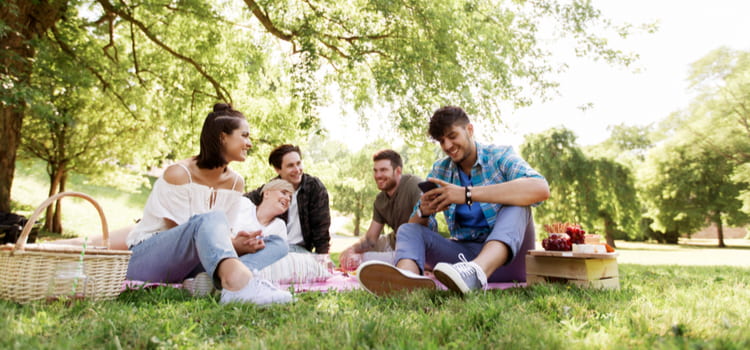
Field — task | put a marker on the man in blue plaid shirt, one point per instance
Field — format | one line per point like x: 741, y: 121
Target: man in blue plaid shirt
x: 486, y: 193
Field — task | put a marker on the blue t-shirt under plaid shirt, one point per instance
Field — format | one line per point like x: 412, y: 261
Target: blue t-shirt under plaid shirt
x: 495, y: 164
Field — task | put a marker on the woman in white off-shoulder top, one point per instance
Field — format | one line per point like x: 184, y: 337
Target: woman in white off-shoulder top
x: 186, y: 224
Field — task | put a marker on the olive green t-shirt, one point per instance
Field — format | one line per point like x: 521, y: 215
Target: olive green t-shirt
x: 394, y: 211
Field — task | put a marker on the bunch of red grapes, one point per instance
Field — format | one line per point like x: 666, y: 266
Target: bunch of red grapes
x: 557, y: 241
x: 564, y: 241
x: 577, y: 235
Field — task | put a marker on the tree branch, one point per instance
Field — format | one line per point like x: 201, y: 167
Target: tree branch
x: 266, y: 21
x: 135, y: 56
x: 105, y: 84
x: 221, y: 92
x: 271, y: 28
x: 110, y: 18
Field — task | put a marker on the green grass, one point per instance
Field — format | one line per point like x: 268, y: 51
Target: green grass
x: 658, y: 307
x: 31, y: 186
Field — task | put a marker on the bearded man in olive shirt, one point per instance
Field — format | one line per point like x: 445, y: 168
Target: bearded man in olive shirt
x: 393, y: 206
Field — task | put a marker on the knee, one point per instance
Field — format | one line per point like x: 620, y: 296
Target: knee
x: 409, y: 230
x: 517, y: 210
x: 213, y: 218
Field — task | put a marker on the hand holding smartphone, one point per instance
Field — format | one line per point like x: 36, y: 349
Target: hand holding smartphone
x: 426, y: 186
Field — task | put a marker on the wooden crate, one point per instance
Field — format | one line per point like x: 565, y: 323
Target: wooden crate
x: 582, y: 269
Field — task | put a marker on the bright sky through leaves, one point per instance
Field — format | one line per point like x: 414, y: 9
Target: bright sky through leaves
x: 594, y: 95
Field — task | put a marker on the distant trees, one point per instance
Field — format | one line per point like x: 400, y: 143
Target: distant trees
x: 699, y: 174
x: 596, y: 192
x: 354, y: 189
x: 691, y: 170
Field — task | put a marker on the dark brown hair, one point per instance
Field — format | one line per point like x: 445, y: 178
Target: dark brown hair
x: 389, y: 154
x: 444, y: 118
x: 223, y: 119
x: 279, y: 152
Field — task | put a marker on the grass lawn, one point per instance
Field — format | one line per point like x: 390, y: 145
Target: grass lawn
x: 667, y: 300
x: 658, y: 307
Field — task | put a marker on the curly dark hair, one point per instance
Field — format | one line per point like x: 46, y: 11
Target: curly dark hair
x: 444, y: 118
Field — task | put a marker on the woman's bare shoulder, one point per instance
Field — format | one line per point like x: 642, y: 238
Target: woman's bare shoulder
x: 238, y: 182
x: 178, y: 173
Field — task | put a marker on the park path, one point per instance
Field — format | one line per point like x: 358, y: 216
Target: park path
x: 695, y: 252
x: 692, y: 253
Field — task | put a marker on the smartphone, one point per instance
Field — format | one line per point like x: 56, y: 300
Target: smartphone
x: 426, y: 186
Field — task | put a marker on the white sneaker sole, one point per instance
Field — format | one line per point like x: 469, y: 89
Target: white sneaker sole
x: 447, y: 275
x: 383, y: 279
x: 199, y: 286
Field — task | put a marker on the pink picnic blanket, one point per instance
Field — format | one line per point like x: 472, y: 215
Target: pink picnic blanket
x: 340, y: 281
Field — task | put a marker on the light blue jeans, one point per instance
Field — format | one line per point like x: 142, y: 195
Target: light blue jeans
x: 198, y: 245
x: 514, y: 227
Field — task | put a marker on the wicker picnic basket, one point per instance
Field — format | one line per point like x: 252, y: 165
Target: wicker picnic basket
x: 25, y: 270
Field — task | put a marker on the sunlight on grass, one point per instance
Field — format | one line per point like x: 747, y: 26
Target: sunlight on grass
x: 658, y: 307
x: 79, y: 218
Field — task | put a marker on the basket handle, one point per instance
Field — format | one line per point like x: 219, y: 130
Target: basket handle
x: 21, y: 242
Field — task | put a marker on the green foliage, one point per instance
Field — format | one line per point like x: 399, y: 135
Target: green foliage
x: 698, y: 174
x: 354, y: 188
x: 596, y: 192
x: 688, y: 185
x: 73, y: 126
x: 722, y: 78
x: 541, y: 317
x: 348, y: 178
x: 416, y: 55
x: 626, y: 144
x: 163, y: 64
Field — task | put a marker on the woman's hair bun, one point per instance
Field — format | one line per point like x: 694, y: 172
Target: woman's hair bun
x: 220, y: 107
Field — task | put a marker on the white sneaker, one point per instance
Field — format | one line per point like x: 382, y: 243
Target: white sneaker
x: 199, y: 286
x: 462, y: 277
x: 381, y: 279
x: 257, y: 291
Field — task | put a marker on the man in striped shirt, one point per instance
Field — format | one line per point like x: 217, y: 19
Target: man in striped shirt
x: 486, y: 193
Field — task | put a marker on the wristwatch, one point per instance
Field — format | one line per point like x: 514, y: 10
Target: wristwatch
x: 468, y: 196
x: 419, y: 213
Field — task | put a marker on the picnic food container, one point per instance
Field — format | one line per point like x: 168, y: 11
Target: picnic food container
x: 26, y: 271
x: 595, y: 270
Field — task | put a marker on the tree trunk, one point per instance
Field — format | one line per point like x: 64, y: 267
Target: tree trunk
x: 25, y: 20
x: 10, y: 132
x: 54, y: 183
x: 720, y: 231
x: 357, y: 219
x: 609, y: 230
x: 57, y: 221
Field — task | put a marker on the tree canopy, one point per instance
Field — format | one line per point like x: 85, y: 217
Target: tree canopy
x: 278, y: 60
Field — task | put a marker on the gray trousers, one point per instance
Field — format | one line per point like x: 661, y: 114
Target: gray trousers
x: 514, y: 227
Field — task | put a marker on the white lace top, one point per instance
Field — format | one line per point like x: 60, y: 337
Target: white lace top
x: 179, y: 203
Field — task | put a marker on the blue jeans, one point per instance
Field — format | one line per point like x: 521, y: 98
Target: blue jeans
x: 514, y: 227
x: 197, y: 245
